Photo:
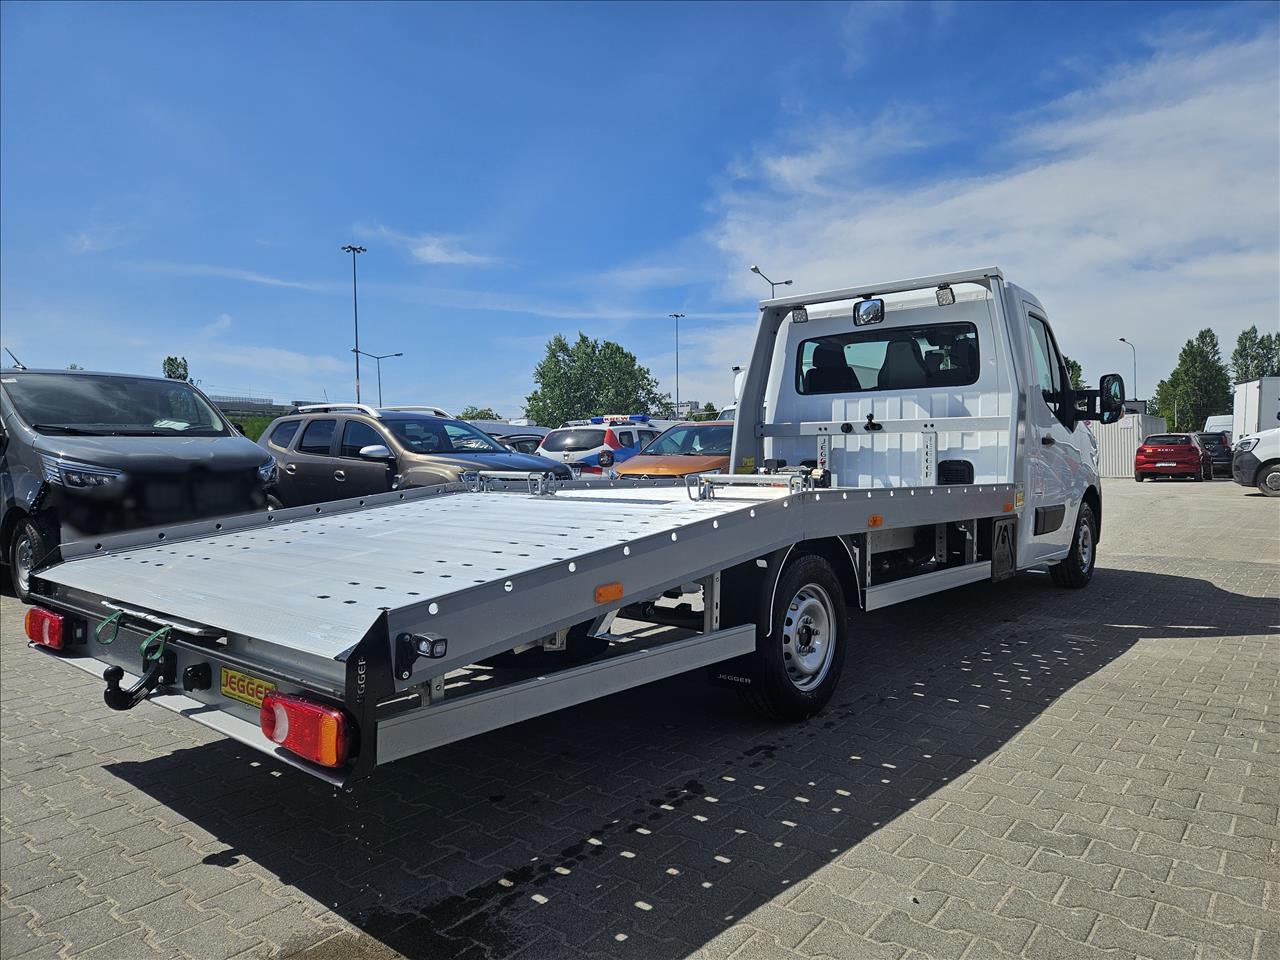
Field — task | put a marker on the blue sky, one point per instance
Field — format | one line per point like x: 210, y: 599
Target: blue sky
x: 179, y: 179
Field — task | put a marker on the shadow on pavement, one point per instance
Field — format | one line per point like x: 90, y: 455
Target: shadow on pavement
x: 665, y: 813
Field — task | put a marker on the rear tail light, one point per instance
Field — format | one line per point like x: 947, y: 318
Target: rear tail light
x: 44, y: 627
x: 587, y: 468
x: 314, y: 731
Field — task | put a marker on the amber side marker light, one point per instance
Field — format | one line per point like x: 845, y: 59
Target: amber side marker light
x: 314, y: 731
x: 875, y: 520
x: 1008, y: 508
x: 608, y: 592
x: 44, y: 627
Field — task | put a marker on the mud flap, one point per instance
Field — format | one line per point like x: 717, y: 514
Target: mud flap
x: 1004, y: 548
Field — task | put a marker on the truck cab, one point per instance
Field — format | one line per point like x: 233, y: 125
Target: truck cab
x: 942, y: 381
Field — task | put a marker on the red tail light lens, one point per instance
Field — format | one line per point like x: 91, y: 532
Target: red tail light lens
x: 314, y: 731
x: 44, y: 627
x: 587, y: 468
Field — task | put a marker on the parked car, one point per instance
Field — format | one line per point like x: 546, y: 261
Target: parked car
x: 517, y: 437
x: 1172, y: 455
x: 84, y: 454
x: 1219, y: 446
x: 684, y: 449
x: 1256, y: 462
x: 598, y: 444
x: 350, y: 450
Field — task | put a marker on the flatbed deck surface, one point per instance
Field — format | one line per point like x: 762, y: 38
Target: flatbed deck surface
x: 319, y: 583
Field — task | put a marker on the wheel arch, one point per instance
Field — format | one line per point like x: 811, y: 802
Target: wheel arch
x: 1093, y: 497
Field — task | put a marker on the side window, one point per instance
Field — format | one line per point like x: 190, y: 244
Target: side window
x: 283, y: 435
x: 357, y: 434
x: 317, y: 437
x: 627, y: 438
x: 1048, y: 364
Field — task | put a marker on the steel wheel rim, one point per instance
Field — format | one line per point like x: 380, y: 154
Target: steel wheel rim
x: 23, y: 560
x: 808, y: 637
x: 1272, y: 480
x: 1086, y: 546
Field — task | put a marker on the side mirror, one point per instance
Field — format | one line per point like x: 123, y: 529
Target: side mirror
x: 375, y: 451
x: 606, y: 458
x: 868, y: 312
x: 1111, y: 398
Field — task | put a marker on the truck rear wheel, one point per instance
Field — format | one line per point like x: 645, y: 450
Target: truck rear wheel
x: 1077, y: 569
x: 800, y: 642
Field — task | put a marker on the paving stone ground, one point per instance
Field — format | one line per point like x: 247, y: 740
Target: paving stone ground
x: 1007, y: 770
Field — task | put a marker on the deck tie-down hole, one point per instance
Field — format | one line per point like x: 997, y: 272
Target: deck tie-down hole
x: 322, y: 596
x: 348, y: 601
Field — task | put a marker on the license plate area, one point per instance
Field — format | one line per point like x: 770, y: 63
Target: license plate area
x: 1166, y: 463
x: 243, y: 687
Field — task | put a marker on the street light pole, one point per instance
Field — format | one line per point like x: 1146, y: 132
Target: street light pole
x: 773, y: 284
x: 377, y: 358
x: 677, y: 318
x: 355, y: 309
x: 1135, y: 365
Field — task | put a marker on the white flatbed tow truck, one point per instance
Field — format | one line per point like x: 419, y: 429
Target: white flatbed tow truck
x: 892, y: 441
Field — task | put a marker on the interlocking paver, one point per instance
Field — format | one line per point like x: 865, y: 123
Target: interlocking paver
x: 1007, y: 771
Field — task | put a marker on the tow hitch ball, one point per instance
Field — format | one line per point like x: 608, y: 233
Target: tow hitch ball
x: 163, y: 669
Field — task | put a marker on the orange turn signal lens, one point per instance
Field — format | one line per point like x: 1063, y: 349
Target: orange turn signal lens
x: 1008, y: 508
x: 608, y: 592
x: 875, y: 520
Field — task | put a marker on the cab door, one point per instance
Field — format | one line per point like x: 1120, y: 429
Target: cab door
x: 1055, y: 461
x: 356, y: 476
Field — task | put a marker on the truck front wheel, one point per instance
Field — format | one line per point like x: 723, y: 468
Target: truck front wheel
x: 800, y: 642
x: 1077, y: 569
x: 1269, y: 480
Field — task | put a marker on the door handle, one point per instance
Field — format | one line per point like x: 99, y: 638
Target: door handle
x: 290, y: 468
x: 339, y: 475
x: 1048, y: 441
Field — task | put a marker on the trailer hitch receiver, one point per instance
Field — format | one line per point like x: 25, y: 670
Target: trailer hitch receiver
x: 163, y: 669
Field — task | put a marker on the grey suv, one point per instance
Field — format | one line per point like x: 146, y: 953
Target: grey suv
x: 83, y: 454
x: 339, y: 451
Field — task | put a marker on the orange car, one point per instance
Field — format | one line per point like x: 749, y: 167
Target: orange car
x: 683, y: 449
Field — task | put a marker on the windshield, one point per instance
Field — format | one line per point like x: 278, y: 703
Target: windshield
x: 697, y: 440
x: 1169, y: 440
x: 560, y: 441
x: 443, y: 436
x: 84, y: 404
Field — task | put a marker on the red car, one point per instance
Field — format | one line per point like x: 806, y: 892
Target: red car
x: 1173, y: 455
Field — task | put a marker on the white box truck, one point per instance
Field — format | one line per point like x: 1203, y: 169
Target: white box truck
x: 1256, y: 407
x: 892, y: 441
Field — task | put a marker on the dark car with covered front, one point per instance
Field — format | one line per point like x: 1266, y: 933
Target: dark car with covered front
x: 87, y: 454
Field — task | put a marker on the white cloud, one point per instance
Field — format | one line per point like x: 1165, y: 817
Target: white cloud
x: 221, y: 324
x: 96, y: 238
x: 227, y: 273
x: 1143, y: 205
x: 430, y: 247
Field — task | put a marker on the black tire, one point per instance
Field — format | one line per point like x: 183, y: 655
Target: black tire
x: 579, y: 646
x: 1269, y: 480
x: 1077, y: 569
x: 28, y: 549
x: 1137, y: 476
x: 1198, y: 476
x: 784, y: 686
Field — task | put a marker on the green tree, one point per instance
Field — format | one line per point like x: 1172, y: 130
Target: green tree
x: 1255, y: 356
x: 175, y: 368
x: 478, y: 413
x: 588, y: 378
x: 1075, y: 372
x: 1197, y: 388
x: 74, y: 366
x: 708, y: 412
